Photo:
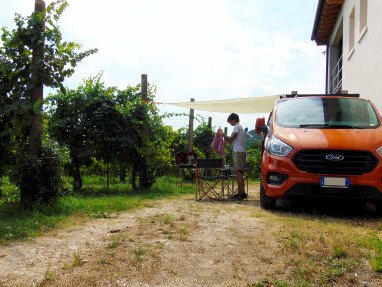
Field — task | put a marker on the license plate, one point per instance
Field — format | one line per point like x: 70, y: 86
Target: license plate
x: 341, y: 182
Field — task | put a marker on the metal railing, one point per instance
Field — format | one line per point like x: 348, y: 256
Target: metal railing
x: 336, y: 77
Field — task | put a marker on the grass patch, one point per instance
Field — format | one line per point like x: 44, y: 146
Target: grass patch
x: 116, y: 241
x: 76, y: 261
x: 336, y: 267
x: 321, y: 251
x: 49, y: 277
x: 339, y: 251
x: 146, y: 256
x: 139, y: 255
x: 374, y: 245
x: 16, y: 224
x: 265, y: 282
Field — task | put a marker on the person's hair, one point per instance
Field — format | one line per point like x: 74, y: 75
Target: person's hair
x: 233, y: 117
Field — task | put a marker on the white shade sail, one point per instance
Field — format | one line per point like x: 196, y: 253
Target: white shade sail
x: 262, y: 104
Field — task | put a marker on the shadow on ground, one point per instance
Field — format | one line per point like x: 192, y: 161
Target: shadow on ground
x: 343, y: 208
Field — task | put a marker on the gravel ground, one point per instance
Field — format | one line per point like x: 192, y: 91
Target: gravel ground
x: 170, y: 242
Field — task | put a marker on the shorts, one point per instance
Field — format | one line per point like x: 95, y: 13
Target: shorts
x: 238, y: 161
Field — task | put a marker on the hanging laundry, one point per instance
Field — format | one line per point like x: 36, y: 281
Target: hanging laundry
x: 218, y: 142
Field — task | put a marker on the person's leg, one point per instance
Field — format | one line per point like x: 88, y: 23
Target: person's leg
x: 240, y: 181
x: 240, y: 174
x: 235, y: 171
x: 239, y: 165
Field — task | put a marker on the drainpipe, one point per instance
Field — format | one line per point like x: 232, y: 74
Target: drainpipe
x: 326, y: 69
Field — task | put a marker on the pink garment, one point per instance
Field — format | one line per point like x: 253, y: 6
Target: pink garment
x: 218, y: 143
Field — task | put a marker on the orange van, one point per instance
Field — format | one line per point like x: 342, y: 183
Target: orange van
x: 321, y: 146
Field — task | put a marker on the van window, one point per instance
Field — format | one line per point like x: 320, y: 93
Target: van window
x: 326, y: 113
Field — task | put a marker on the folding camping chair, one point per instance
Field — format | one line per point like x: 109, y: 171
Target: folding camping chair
x: 210, y: 179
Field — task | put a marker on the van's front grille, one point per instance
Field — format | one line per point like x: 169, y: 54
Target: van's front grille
x: 345, y: 161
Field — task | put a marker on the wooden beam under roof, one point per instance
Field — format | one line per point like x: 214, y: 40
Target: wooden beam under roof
x: 331, y: 2
x: 326, y: 17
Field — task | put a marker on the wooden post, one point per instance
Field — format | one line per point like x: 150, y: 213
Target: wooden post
x: 208, y: 152
x: 143, y: 163
x: 226, y: 156
x: 191, y: 130
x: 144, y: 87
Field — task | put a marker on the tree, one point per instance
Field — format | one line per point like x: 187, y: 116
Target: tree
x: 115, y: 127
x: 106, y: 128
x: 33, y: 55
x: 87, y: 121
x: 147, y: 141
x: 66, y: 125
x: 203, y: 136
x: 157, y: 152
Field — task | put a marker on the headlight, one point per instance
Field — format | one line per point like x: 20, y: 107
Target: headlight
x: 277, y: 147
x: 379, y: 150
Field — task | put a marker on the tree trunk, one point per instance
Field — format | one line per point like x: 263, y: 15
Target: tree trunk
x: 122, y: 174
x: 107, y: 176
x: 77, y: 179
x: 143, y: 175
x: 28, y: 191
x: 35, y: 131
x: 133, y: 177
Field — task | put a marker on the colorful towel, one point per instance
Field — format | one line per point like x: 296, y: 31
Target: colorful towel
x: 218, y: 143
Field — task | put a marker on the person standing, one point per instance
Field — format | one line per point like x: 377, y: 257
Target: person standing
x: 239, y: 153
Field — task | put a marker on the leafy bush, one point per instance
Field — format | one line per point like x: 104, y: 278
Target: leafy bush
x: 203, y: 136
x: 38, y: 177
x: 113, y: 129
x: 254, y: 162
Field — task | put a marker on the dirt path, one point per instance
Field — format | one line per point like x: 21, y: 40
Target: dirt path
x: 176, y: 242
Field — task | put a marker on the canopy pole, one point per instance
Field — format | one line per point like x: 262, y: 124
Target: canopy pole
x: 191, y: 129
x: 208, y: 153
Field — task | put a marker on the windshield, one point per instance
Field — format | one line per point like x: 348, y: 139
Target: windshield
x: 326, y: 113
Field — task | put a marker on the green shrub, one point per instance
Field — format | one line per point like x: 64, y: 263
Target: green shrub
x: 254, y: 163
x: 38, y: 177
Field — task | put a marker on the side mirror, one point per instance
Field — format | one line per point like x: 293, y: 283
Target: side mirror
x: 260, y: 126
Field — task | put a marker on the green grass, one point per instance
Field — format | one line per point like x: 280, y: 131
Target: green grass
x: 322, y: 250
x: 16, y: 224
x: 265, y: 282
x: 374, y: 244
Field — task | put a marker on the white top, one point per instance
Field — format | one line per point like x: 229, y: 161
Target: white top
x: 238, y: 143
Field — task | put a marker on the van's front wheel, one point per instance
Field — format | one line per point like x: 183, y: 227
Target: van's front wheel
x: 266, y: 202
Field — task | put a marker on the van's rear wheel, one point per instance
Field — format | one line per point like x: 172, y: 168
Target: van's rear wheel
x: 266, y: 202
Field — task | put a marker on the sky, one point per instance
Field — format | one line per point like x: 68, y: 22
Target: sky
x: 201, y: 49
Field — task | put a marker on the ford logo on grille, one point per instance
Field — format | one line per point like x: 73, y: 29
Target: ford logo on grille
x: 334, y: 157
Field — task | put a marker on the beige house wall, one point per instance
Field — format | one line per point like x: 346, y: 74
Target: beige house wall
x: 362, y: 64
